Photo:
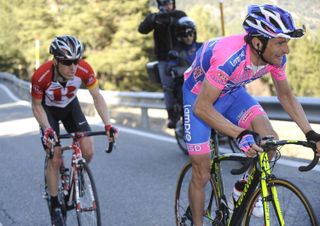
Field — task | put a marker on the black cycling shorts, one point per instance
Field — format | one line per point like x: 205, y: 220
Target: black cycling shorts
x: 71, y: 117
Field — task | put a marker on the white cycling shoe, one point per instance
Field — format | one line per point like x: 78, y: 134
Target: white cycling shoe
x: 257, y: 210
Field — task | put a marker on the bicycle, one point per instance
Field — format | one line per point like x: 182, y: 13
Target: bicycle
x: 283, y: 202
x: 77, y: 189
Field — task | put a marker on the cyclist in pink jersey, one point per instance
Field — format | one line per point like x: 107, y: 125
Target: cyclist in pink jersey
x: 214, y: 96
x: 54, y: 90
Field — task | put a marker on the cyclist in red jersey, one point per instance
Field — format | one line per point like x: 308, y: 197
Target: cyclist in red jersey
x: 54, y: 89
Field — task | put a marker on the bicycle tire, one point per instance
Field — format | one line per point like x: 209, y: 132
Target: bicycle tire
x: 295, y: 207
x: 179, y: 135
x: 87, y: 207
x: 183, y: 214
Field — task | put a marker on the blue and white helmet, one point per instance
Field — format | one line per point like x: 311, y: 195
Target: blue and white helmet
x: 270, y: 21
x: 66, y: 47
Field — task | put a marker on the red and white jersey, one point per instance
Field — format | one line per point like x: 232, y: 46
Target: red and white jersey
x: 54, y: 94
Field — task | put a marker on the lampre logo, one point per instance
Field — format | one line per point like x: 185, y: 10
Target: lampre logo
x: 187, y: 125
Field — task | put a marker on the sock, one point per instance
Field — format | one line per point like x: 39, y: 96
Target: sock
x: 54, y: 202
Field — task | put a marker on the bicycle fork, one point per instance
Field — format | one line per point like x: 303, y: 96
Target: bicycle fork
x: 268, y: 191
x: 82, y: 188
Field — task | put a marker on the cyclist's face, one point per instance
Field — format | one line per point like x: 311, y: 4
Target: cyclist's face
x: 188, y: 39
x: 68, y: 71
x: 276, y: 49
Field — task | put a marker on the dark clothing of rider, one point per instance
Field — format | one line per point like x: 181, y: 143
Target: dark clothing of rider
x: 163, y: 25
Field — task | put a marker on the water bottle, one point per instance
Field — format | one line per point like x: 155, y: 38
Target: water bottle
x: 65, y: 180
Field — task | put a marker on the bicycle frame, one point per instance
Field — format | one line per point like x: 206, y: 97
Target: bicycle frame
x: 218, y: 185
x: 76, y: 161
x: 257, y: 176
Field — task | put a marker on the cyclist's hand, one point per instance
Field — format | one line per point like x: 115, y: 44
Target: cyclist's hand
x: 49, y: 137
x: 247, y: 143
x: 314, y: 137
x: 111, y: 132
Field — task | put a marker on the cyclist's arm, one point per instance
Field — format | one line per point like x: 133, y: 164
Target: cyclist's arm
x: 100, y: 105
x: 39, y: 113
x: 204, y: 110
x: 291, y: 104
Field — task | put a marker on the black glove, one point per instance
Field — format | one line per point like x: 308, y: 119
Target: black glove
x: 163, y: 19
x: 312, y: 136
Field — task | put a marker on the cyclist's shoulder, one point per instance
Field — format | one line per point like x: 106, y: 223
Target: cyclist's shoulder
x: 229, y: 52
x: 43, y: 73
x: 84, y: 69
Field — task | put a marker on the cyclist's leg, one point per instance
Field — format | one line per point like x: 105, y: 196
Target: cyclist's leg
x: 52, y: 171
x: 197, y: 135
x: 54, y: 163
x: 199, y: 179
x: 77, y: 122
x: 167, y: 83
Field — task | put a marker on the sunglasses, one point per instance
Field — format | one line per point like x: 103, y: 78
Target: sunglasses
x: 69, y: 62
x: 188, y: 34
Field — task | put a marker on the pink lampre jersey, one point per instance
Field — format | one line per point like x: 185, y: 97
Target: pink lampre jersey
x: 226, y: 64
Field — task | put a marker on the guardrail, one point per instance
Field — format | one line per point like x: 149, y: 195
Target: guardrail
x: 154, y: 100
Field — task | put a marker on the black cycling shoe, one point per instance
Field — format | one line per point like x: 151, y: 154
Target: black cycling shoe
x: 57, y: 217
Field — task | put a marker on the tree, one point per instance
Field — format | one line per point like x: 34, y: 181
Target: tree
x: 303, y: 65
x: 205, y: 22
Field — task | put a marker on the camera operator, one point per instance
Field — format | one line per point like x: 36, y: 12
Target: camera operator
x: 162, y: 25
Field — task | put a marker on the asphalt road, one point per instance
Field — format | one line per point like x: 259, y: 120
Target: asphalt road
x: 136, y: 183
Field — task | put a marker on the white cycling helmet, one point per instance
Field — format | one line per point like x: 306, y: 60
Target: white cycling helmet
x: 270, y: 21
x: 66, y: 47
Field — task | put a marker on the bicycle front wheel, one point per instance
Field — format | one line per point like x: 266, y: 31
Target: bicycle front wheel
x: 87, y: 203
x: 182, y: 208
x: 295, y: 208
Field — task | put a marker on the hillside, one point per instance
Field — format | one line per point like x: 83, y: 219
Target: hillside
x: 304, y: 12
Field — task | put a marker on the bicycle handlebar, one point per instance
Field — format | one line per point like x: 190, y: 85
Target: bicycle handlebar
x: 88, y: 134
x: 314, y: 161
x: 271, y: 144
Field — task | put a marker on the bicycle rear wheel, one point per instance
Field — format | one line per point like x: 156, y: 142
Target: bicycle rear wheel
x: 182, y: 209
x: 87, y: 207
x: 296, y: 209
x: 179, y: 134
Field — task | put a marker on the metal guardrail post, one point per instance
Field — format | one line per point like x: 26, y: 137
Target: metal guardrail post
x: 145, y: 118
